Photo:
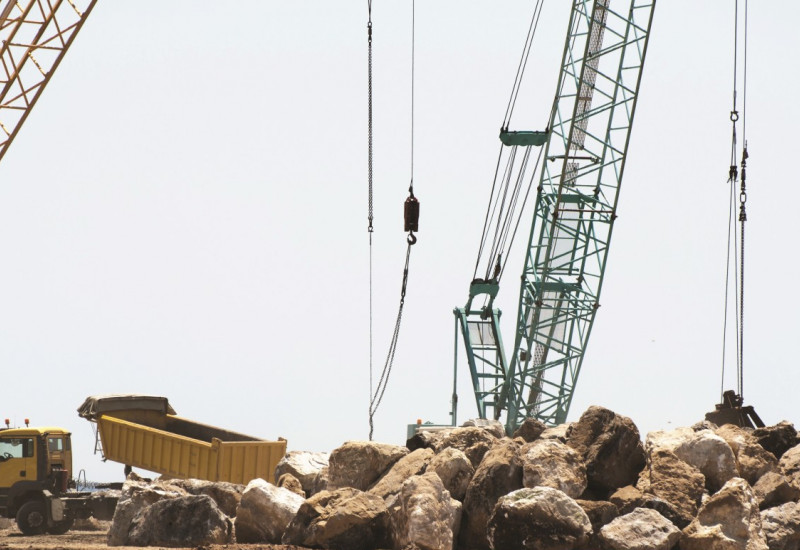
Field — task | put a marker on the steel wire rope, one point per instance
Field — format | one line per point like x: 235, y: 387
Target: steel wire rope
x: 377, y: 397
x: 742, y: 209
x: 499, y: 207
x: 506, y: 120
x: 739, y: 240
x: 485, y: 232
x: 370, y: 212
x: 523, y: 62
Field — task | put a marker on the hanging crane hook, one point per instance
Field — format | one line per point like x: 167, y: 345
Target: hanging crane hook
x: 411, y: 215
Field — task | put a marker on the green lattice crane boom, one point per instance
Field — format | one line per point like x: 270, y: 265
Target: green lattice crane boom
x: 585, y: 146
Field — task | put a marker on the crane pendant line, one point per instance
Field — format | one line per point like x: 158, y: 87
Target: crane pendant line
x: 576, y: 205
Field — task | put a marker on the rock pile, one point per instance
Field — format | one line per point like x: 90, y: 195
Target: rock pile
x: 592, y: 484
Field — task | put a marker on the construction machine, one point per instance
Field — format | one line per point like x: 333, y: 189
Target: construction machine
x: 36, y: 482
x: 582, y: 151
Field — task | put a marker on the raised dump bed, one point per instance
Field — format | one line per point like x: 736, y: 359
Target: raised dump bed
x: 145, y: 432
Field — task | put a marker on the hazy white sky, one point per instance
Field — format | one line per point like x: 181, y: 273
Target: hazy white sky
x: 184, y: 214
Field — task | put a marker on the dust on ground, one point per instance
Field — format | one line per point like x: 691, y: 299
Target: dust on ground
x: 76, y: 539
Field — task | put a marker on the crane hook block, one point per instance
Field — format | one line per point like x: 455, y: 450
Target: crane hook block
x: 411, y: 213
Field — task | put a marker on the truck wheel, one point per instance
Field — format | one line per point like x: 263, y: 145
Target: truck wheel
x: 31, y: 518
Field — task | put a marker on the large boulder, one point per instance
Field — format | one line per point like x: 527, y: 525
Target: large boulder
x: 193, y: 520
x: 424, y: 515
x: 358, y: 464
x: 777, y: 439
x: 610, y: 447
x: 550, y: 463
x: 499, y: 473
x: 557, y: 432
x: 494, y: 427
x: 629, y: 498
x: 454, y: 469
x: 729, y: 520
x: 226, y: 495
x: 642, y: 529
x: 752, y: 460
x: 703, y: 449
x: 781, y: 526
x: 789, y: 465
x: 343, y: 519
x: 472, y: 441
x: 410, y: 465
x: 530, y: 430
x: 264, y: 512
x: 136, y: 496
x: 303, y: 465
x: 600, y: 513
x: 774, y: 489
x: 288, y: 481
x: 543, y: 518
x: 673, y: 480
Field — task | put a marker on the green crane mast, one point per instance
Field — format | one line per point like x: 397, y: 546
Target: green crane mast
x: 585, y: 146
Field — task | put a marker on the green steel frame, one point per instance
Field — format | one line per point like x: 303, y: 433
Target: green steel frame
x: 575, y: 209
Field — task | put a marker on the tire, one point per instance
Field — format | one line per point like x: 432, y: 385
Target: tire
x: 61, y: 527
x: 31, y: 518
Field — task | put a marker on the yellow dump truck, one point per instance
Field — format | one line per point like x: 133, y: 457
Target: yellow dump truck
x: 145, y: 432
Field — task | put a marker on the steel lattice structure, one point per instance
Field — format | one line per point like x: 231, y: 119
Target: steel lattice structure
x: 34, y: 36
x: 575, y: 209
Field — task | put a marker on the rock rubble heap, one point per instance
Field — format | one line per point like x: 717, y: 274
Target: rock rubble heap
x: 592, y: 484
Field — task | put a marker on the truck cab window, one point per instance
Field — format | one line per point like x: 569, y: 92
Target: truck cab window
x: 19, y: 447
x: 55, y: 444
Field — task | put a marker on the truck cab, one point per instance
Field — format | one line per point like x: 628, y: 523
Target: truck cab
x: 35, y: 468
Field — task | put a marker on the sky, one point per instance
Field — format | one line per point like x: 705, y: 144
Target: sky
x: 185, y: 214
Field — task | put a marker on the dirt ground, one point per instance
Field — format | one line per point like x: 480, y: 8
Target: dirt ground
x: 77, y: 539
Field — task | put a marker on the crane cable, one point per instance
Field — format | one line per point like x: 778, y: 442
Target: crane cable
x: 502, y: 207
x: 733, y: 178
x: 411, y: 224
x: 370, y: 213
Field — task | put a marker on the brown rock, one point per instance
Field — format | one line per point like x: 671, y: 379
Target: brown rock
x: 425, y: 515
x: 781, y: 526
x: 729, y: 520
x: 790, y: 465
x: 610, y: 447
x: 359, y: 464
x: 600, y: 513
x: 629, y: 498
x: 777, y: 439
x: 264, y: 512
x: 410, y: 465
x: 774, y: 489
x: 473, y: 442
x: 226, y: 495
x: 499, y: 473
x: 184, y: 521
x: 454, y: 469
x: 673, y: 480
x: 530, y: 430
x: 288, y: 481
x: 303, y: 465
x: 542, y: 518
x: 550, y: 463
x: 641, y: 529
x: 344, y: 519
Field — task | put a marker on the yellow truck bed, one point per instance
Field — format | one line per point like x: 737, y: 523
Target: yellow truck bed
x: 151, y: 438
